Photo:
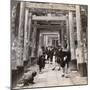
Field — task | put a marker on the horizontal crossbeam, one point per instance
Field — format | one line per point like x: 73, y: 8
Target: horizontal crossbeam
x: 55, y: 6
x: 48, y: 18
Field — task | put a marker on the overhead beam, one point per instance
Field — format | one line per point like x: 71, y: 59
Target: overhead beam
x: 54, y: 34
x: 49, y: 29
x: 50, y: 34
x: 47, y: 26
x: 48, y: 18
x: 55, y: 6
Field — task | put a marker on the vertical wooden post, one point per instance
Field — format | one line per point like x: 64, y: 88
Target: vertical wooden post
x: 72, y: 45
x: 25, y: 57
x: 40, y: 36
x: 27, y: 35
x: 68, y: 35
x: 62, y: 36
x: 81, y: 64
x: 29, y: 25
x: 34, y: 40
x: 20, y: 35
x: 46, y: 40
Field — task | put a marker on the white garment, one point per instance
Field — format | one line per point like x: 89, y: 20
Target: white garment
x: 46, y: 56
x: 65, y: 58
x: 53, y: 59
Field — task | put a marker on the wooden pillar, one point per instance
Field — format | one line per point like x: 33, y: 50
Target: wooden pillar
x: 42, y: 40
x: 37, y: 42
x: 34, y: 40
x: 62, y: 39
x: 50, y: 40
x: 25, y: 54
x: 58, y: 38
x: 27, y: 32
x: 13, y: 38
x: 81, y: 64
x: 40, y: 36
x: 68, y: 35
x: 46, y: 40
x: 29, y: 25
x: 20, y: 36
x: 72, y: 45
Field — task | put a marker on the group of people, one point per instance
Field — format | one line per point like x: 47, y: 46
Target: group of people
x: 56, y: 56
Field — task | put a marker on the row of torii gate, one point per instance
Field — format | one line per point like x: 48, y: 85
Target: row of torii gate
x: 25, y: 26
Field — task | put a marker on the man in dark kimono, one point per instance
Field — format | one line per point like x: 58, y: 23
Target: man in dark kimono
x: 65, y: 58
x: 41, y: 62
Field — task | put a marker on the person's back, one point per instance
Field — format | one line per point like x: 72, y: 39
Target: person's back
x: 41, y: 62
x: 60, y: 53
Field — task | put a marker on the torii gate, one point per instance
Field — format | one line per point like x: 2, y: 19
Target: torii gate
x: 24, y: 9
x: 52, y: 18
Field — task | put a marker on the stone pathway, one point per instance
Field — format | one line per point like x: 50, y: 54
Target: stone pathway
x: 49, y: 78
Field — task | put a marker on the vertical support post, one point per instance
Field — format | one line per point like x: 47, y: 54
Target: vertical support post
x: 68, y: 35
x: 46, y: 40
x: 42, y: 40
x: 72, y: 45
x: 81, y: 64
x: 50, y: 41
x: 20, y: 36
x: 25, y: 54
x: 62, y: 42
x: 58, y: 38
x: 29, y: 26
x: 13, y: 38
x: 28, y: 36
x: 39, y: 43
x: 34, y: 40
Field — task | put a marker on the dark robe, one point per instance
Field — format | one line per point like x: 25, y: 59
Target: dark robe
x: 41, y: 62
x: 60, y: 58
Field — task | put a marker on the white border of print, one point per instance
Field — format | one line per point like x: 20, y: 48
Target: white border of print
x: 5, y: 44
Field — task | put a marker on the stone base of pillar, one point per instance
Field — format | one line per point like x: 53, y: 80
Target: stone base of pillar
x: 82, y: 68
x: 20, y: 71
x: 73, y: 65
x: 20, y: 68
x: 16, y: 75
x: 14, y: 80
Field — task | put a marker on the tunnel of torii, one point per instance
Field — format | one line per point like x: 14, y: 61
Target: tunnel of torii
x: 41, y: 22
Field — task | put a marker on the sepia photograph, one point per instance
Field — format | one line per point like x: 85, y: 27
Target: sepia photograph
x: 49, y: 44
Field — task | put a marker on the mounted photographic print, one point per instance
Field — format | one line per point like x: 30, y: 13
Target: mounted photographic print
x: 49, y: 44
